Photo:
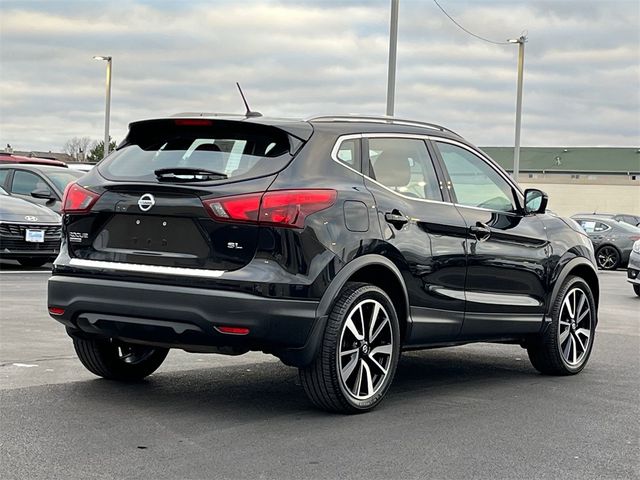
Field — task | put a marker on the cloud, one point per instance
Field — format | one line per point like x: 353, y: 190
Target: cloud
x: 297, y: 58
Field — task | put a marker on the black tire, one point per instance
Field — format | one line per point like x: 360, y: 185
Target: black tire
x: 636, y: 288
x: 608, y: 257
x: 32, y: 262
x: 547, y: 354
x: 323, y: 380
x: 108, y: 360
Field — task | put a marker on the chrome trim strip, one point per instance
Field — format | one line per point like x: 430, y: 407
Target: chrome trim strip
x: 139, y: 268
x: 488, y: 297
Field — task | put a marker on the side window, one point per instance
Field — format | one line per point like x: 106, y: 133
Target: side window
x: 348, y: 153
x: 600, y: 227
x: 587, y: 225
x: 26, y: 182
x: 475, y: 183
x: 404, y: 165
x: 3, y: 176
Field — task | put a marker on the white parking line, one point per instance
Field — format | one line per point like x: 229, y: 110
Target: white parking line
x: 25, y: 271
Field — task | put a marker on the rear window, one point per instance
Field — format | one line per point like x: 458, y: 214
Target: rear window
x: 235, y: 149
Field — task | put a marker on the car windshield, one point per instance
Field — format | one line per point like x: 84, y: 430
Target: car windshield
x: 62, y: 179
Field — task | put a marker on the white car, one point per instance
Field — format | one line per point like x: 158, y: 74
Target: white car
x: 83, y: 167
x: 633, y: 269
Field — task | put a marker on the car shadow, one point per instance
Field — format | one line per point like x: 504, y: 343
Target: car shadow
x: 264, y: 390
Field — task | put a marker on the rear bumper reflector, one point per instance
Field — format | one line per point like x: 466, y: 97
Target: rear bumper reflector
x: 233, y: 330
x: 139, y: 268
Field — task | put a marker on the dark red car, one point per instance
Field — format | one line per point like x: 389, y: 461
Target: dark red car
x: 10, y: 158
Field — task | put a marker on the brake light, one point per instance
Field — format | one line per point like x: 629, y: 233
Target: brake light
x: 77, y: 199
x: 233, y: 330
x: 287, y: 208
x: 56, y: 311
x: 193, y: 122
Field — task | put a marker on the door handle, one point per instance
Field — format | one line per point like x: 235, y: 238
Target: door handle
x: 396, y: 219
x: 480, y: 231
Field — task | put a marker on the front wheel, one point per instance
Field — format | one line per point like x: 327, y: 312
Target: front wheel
x: 126, y: 362
x: 565, y: 346
x: 359, y: 352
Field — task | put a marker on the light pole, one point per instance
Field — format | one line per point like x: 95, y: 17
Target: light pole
x: 393, y: 48
x: 107, y: 111
x: 516, y: 153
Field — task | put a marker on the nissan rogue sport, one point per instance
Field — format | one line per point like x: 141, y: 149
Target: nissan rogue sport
x: 333, y: 243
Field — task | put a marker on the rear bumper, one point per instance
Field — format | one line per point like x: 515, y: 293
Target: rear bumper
x: 184, y: 317
x: 633, y: 269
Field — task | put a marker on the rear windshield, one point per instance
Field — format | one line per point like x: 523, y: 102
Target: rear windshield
x: 235, y: 149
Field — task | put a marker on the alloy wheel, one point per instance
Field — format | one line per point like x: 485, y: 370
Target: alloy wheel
x: 607, y: 257
x: 134, y: 354
x: 365, y: 349
x: 576, y: 327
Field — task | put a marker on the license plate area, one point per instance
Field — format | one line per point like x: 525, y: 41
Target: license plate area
x: 34, y: 236
x: 152, y: 235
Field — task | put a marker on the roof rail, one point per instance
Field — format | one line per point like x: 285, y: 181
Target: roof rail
x: 379, y: 119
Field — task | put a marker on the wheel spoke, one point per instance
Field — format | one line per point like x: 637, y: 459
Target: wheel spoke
x: 358, y: 383
x: 362, y: 326
x: 584, y: 331
x: 567, y: 350
x: 379, y: 329
x: 383, y: 349
x: 574, y: 347
x: 348, y: 352
x: 352, y: 328
x: 582, y: 345
x: 568, y: 306
x: 574, y: 311
x: 564, y: 335
x: 369, y: 378
x: 374, y: 317
x: 377, y: 365
x: 348, y: 369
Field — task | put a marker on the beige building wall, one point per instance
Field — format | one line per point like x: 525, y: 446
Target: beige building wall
x: 566, y: 199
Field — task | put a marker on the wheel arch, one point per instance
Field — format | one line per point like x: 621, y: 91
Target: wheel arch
x: 376, y: 270
x: 579, y: 267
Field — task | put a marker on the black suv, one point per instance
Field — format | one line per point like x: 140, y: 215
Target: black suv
x: 333, y: 243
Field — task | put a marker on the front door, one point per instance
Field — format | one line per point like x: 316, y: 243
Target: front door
x: 507, y: 250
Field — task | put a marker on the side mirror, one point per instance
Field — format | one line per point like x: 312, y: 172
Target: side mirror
x: 535, y: 201
x: 43, y: 193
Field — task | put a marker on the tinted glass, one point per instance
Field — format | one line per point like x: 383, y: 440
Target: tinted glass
x: 475, y: 183
x: 62, y: 179
x: 3, y: 176
x: 348, y: 153
x: 404, y: 166
x: 232, y: 148
x: 26, y: 182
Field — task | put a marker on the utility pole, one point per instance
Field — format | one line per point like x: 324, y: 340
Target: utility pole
x: 107, y: 110
x: 516, y: 153
x: 393, y: 49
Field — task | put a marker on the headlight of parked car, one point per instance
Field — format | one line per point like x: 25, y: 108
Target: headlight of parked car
x: 636, y: 246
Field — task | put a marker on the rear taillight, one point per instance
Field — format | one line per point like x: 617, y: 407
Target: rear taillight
x: 286, y: 208
x: 77, y: 199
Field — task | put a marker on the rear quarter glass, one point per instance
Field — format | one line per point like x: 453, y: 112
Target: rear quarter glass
x: 236, y: 149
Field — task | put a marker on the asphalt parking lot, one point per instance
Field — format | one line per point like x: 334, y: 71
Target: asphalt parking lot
x: 478, y: 411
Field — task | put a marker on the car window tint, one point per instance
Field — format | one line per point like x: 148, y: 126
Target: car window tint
x: 348, y: 153
x: 3, y: 176
x: 475, y: 183
x: 404, y: 165
x: 26, y: 182
x: 62, y: 179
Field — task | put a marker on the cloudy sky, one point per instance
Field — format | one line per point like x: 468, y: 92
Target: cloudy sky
x: 298, y: 58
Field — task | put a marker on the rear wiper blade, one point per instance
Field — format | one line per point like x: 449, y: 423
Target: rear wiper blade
x: 185, y: 174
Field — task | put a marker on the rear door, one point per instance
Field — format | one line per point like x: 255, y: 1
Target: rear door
x: 425, y: 232
x: 506, y: 251
x: 24, y: 182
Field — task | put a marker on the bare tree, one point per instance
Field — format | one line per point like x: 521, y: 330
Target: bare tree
x: 78, y: 147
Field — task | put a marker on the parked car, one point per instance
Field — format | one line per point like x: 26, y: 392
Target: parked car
x: 612, y: 240
x: 633, y: 269
x: 10, y: 158
x: 333, y: 243
x: 620, y: 217
x: 83, y: 167
x: 29, y: 233
x: 41, y: 184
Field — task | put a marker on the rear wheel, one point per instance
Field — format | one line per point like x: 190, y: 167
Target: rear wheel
x: 32, y: 262
x: 118, y: 361
x: 608, y: 257
x: 564, y: 348
x: 636, y: 288
x: 359, y: 352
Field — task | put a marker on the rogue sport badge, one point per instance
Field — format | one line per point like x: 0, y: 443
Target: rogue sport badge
x: 146, y: 201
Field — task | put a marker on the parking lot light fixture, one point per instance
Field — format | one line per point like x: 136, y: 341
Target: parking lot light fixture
x: 107, y: 112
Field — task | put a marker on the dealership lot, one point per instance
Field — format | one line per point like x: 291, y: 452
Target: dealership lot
x: 478, y: 411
